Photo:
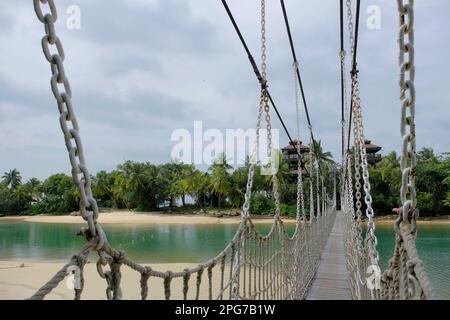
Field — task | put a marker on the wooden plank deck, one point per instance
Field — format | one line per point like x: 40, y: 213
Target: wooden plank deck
x: 331, y: 281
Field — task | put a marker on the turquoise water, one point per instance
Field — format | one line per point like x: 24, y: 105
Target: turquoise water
x: 433, y: 244
x: 169, y: 243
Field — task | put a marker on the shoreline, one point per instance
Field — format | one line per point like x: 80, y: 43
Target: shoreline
x: 129, y: 217
x: 158, y: 217
x: 426, y: 220
x: 21, y: 280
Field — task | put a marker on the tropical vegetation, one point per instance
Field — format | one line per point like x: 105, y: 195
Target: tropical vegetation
x: 143, y: 186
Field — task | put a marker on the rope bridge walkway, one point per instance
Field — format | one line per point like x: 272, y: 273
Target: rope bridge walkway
x: 327, y: 256
x: 331, y: 281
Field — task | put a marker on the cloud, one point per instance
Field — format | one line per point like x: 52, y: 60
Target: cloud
x: 140, y: 69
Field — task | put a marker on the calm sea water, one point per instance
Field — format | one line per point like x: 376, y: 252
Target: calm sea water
x: 165, y: 243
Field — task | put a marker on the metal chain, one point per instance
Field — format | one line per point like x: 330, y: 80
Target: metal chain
x: 408, y: 98
x: 349, y: 188
x: 311, y: 180
x: 356, y: 155
x: 350, y: 27
x: 318, y: 187
x: 342, y: 55
x: 271, y: 155
x: 300, y: 194
x: 334, y: 188
x: 263, y: 41
x: 253, y: 161
x: 297, y: 101
x: 359, y: 136
x: 68, y: 121
x: 265, y: 95
x: 263, y: 106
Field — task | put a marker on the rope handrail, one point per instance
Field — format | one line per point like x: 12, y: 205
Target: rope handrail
x: 259, y: 76
x: 312, y: 248
x: 405, y: 277
x: 278, y: 258
x: 275, y: 265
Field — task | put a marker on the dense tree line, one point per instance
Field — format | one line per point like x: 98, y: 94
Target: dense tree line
x: 145, y: 187
x: 432, y: 183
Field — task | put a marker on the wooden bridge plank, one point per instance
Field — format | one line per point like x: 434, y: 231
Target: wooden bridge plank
x: 331, y: 281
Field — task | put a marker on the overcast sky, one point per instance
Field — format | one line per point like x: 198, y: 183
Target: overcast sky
x: 140, y: 69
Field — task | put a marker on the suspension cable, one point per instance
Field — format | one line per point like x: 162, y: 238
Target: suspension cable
x: 354, y: 49
x: 299, y: 78
x: 354, y: 67
x: 342, y: 56
x: 294, y: 56
x: 259, y: 76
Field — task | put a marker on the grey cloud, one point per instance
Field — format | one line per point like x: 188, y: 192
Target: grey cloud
x: 122, y: 23
x: 140, y: 69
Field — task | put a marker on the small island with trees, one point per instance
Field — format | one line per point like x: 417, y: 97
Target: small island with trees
x: 181, y: 188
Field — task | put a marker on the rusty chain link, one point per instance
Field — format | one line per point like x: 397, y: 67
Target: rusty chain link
x: 408, y: 97
x: 68, y: 121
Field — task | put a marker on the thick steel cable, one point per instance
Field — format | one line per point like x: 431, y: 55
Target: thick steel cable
x: 353, y: 71
x: 259, y: 76
x: 342, y: 53
x: 354, y: 66
x: 299, y: 78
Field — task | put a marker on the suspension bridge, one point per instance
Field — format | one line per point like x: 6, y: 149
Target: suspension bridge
x: 328, y: 256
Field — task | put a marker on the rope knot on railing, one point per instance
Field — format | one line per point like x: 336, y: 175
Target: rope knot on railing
x: 145, y: 275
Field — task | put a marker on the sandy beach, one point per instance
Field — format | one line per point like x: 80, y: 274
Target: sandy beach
x: 20, y: 282
x: 129, y: 217
x: 132, y: 217
x: 20, y: 279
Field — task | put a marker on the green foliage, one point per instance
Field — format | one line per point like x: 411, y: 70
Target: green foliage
x: 59, y: 196
x: 15, y: 197
x: 220, y: 179
x: 446, y: 201
x: 425, y: 202
x: 102, y: 185
x: 288, y: 210
x: 432, y: 183
x: 324, y: 158
x: 144, y: 186
x: 260, y: 203
x: 385, y: 187
x: 12, y: 179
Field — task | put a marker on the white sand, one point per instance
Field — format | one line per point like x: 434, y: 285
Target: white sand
x: 128, y: 217
x: 18, y: 282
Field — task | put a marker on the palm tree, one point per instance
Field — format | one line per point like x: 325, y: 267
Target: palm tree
x: 325, y: 158
x: 136, y: 176
x: 34, y: 186
x: 194, y: 183
x: 119, y: 191
x: 202, y: 183
x: 283, y: 172
x: 389, y: 161
x: 427, y: 155
x: 12, y: 179
x: 220, y: 183
x: 220, y: 178
x: 21, y: 196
